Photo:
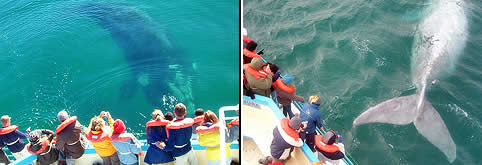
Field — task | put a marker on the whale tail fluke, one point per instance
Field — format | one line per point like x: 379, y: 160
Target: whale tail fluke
x: 431, y: 126
x: 402, y: 111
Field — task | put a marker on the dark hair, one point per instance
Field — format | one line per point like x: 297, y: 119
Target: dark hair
x: 273, y: 67
x: 180, y: 109
x: 251, y: 46
x: 169, y: 116
x: 199, y: 112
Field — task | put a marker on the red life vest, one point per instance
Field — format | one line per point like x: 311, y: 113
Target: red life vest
x: 285, y: 124
x: 204, y: 129
x: 246, y: 39
x: 184, y: 123
x: 8, y: 129
x: 250, y: 54
x: 275, y: 163
x: 156, y: 123
x: 330, y: 148
x: 253, y: 72
x: 45, y: 144
x: 280, y: 84
x: 65, y: 123
x: 233, y: 122
x: 121, y: 137
x: 289, y: 135
x: 198, y: 119
x: 104, y: 135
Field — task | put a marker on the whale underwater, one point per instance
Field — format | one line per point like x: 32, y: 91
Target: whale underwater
x: 156, y: 62
x: 440, y: 38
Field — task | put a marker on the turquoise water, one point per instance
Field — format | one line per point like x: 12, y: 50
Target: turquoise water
x: 126, y: 57
x: 357, y: 54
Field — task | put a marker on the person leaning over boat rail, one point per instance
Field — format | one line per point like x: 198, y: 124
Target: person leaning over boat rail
x: 286, y: 136
x: 233, y: 129
x: 285, y: 91
x: 209, y: 137
x: 179, y: 139
x: 258, y: 79
x: 11, y: 137
x: 312, y: 115
x: 156, y: 138
x: 249, y: 53
x: 69, y: 140
x: 43, y: 146
x: 198, y: 119
x: 99, y: 134
x: 126, y: 144
x: 329, y: 150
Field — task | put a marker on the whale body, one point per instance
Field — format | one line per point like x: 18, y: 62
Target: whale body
x: 156, y: 63
x: 440, y: 38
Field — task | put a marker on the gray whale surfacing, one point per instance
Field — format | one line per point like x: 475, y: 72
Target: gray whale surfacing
x: 153, y: 58
x: 441, y: 37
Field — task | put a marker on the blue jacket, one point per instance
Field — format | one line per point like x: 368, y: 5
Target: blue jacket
x: 311, y: 114
x: 154, y: 154
x: 127, y: 149
x: 14, y: 136
x: 180, y: 132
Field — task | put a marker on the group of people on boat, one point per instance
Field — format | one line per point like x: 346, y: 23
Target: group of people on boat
x: 168, y: 136
x: 263, y: 78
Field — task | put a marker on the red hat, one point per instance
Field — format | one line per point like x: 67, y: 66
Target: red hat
x: 119, y: 126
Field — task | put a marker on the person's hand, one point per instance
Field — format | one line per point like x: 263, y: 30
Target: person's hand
x: 158, y: 145
x: 305, y: 124
x: 108, y: 115
x: 28, y: 129
x: 102, y: 114
x: 162, y: 145
x: 268, y: 70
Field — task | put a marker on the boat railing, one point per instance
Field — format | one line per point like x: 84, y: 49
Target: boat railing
x: 347, y: 159
x: 222, y: 130
x: 263, y: 100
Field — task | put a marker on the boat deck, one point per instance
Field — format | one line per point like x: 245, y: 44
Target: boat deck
x: 259, y: 120
x: 260, y: 116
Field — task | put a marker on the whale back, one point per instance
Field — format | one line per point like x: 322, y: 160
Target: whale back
x: 439, y: 41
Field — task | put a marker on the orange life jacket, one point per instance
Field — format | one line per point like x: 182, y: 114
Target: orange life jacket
x: 8, y: 129
x: 330, y: 148
x: 204, y: 129
x: 285, y: 125
x: 104, y: 135
x: 253, y: 72
x: 157, y: 123
x: 233, y: 122
x: 250, y: 54
x: 186, y: 122
x: 65, y: 123
x: 246, y: 39
x: 198, y: 119
x: 45, y: 144
x: 121, y: 137
x: 280, y: 84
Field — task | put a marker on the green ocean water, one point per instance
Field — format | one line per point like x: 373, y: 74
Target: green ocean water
x: 357, y: 54
x: 74, y: 55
